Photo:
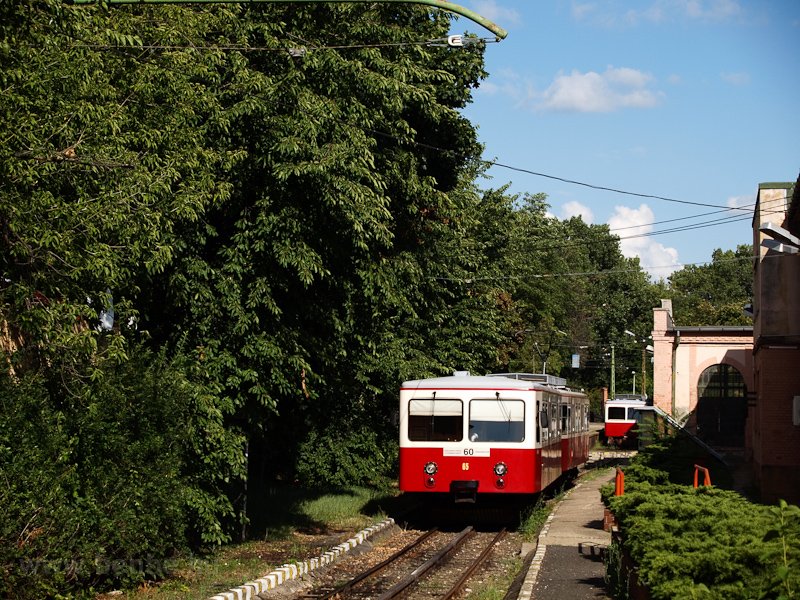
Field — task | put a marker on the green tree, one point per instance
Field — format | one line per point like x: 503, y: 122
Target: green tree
x: 572, y: 291
x: 715, y: 293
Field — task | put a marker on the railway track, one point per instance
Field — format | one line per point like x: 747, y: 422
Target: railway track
x: 435, y: 565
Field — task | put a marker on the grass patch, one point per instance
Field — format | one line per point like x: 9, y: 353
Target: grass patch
x: 533, y: 518
x: 497, y: 586
x: 288, y: 525
x: 345, y: 509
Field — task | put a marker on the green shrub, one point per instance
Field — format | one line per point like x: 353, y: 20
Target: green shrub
x: 704, y: 542
x: 341, y: 459
x: 98, y: 485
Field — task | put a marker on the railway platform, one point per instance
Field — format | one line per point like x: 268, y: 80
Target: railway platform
x: 568, y: 560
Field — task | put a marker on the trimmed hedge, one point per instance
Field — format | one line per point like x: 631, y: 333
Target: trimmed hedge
x: 701, y: 543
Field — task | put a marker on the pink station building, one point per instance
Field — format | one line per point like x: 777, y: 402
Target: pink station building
x: 738, y: 388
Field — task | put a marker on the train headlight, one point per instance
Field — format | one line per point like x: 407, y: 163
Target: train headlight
x: 431, y: 468
x: 500, y: 469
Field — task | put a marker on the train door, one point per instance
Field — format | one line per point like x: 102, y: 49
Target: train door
x: 551, y: 440
x: 566, y: 434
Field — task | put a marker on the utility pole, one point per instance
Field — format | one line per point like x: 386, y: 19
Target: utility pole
x: 613, y: 367
x: 443, y: 4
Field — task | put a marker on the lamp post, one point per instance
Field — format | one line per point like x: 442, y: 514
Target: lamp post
x: 633, y: 389
x: 645, y: 349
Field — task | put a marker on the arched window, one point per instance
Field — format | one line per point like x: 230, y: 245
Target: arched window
x: 721, y: 406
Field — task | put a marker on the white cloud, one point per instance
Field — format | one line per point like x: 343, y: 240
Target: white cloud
x: 658, y: 11
x: 582, y: 10
x: 488, y: 87
x: 506, y: 82
x: 632, y: 225
x: 746, y: 203
x: 736, y: 78
x: 491, y: 11
x: 576, y: 209
x: 611, y: 90
x: 710, y: 10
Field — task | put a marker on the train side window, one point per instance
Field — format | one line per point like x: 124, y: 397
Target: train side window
x: 435, y: 420
x: 544, y: 419
x: 540, y: 414
x: 616, y: 413
x: 497, y: 420
x: 565, y: 410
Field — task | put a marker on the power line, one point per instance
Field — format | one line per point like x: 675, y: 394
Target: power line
x: 464, y: 41
x: 639, y: 269
x: 294, y: 50
x: 491, y: 163
x: 609, y: 189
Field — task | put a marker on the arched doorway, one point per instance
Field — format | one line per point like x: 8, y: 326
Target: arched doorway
x: 721, y: 406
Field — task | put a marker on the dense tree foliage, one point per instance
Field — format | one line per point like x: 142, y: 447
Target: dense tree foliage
x: 272, y: 210
x: 273, y: 223
x: 715, y: 293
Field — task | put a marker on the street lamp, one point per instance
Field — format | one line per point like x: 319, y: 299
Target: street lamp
x: 633, y: 389
x: 645, y: 349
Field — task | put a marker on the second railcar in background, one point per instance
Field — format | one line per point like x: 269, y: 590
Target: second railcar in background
x: 513, y: 433
x: 622, y: 414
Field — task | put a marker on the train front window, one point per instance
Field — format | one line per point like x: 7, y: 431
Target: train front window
x: 616, y: 412
x: 435, y: 420
x: 496, y: 420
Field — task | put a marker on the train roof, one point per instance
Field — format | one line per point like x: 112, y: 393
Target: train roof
x: 495, y: 381
x: 627, y: 399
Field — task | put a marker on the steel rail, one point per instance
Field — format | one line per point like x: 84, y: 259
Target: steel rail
x: 371, y: 571
x: 422, y: 569
x: 475, y: 564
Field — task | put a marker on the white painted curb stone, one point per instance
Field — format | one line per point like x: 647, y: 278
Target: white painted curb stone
x: 271, y: 580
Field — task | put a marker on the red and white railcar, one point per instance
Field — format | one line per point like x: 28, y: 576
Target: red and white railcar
x: 622, y: 414
x: 513, y: 433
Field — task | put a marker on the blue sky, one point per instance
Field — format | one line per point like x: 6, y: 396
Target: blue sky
x: 692, y: 100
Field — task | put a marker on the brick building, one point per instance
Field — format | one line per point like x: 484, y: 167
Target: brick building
x: 775, y: 415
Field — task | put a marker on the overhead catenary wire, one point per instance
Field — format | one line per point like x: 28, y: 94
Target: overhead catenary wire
x: 468, y: 40
x: 490, y: 163
x: 526, y: 276
x: 305, y: 47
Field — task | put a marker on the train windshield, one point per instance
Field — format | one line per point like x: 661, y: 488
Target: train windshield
x: 497, y: 420
x: 435, y: 420
x: 616, y: 412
